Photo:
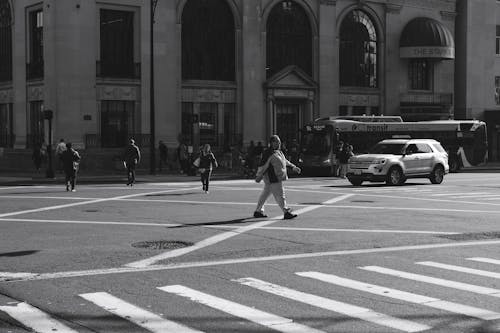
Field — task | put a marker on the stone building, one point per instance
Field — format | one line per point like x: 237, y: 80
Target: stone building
x: 225, y: 71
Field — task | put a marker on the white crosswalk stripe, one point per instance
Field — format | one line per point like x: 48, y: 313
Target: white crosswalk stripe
x: 266, y: 319
x: 461, y: 269
x: 437, y: 281
x: 404, y: 296
x: 486, y: 260
x: 35, y: 319
x: 335, y: 306
x: 138, y: 316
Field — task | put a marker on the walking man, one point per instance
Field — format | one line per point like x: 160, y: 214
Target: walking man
x: 70, y: 160
x: 60, y: 149
x: 131, y: 158
x: 273, y: 170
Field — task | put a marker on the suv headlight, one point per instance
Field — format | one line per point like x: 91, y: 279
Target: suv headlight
x: 380, y: 161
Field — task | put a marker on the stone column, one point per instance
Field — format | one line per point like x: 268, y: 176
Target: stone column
x: 328, y: 59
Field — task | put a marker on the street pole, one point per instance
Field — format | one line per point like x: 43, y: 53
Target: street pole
x: 152, y: 161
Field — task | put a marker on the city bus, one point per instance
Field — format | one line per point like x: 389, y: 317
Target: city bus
x: 464, y: 140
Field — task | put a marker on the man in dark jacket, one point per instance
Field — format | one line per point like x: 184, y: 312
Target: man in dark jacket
x: 131, y: 158
x: 70, y: 159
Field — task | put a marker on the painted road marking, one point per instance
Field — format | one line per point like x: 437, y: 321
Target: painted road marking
x: 259, y: 317
x: 472, y: 211
x: 170, y: 225
x: 460, y: 269
x: 223, y: 236
x: 335, y: 306
x: 35, y: 319
x: 121, y: 270
x: 136, y: 315
x: 432, y: 280
x: 404, y: 296
x: 43, y: 209
x: 486, y: 260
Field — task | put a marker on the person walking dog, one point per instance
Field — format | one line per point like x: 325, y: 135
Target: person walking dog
x: 206, y: 163
x: 272, y: 170
x: 70, y: 160
x: 131, y: 158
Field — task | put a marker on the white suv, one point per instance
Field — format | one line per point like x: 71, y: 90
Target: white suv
x: 395, y: 160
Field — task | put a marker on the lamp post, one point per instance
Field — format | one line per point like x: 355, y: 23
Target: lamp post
x: 48, y: 114
x: 152, y: 160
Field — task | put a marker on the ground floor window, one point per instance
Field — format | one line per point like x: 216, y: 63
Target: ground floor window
x: 6, y: 126
x: 288, y: 122
x: 118, y: 123
x: 208, y: 123
x: 36, y: 130
x: 497, y: 90
x: 420, y: 74
x: 187, y: 120
x: 232, y: 134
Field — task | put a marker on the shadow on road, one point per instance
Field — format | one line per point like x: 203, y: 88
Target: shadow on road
x: 229, y: 222
x: 18, y: 253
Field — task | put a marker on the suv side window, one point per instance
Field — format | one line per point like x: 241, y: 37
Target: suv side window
x: 411, y: 149
x: 423, y: 148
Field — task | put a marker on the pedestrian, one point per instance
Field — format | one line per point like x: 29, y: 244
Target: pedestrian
x: 37, y: 156
x: 70, y: 159
x: 60, y: 148
x: 336, y: 152
x: 182, y: 157
x: 345, y: 155
x: 131, y: 157
x: 206, y: 163
x: 162, y: 147
x: 273, y: 170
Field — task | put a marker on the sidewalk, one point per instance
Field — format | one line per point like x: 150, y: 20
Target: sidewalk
x: 31, y: 178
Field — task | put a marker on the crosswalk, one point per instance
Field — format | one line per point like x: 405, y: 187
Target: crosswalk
x: 437, y: 192
x: 482, y: 297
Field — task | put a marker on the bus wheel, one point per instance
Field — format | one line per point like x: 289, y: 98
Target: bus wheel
x: 395, y: 176
x: 454, y: 165
x: 437, y: 175
x: 355, y: 181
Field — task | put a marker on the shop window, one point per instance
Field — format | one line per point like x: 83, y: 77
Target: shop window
x: 6, y: 125
x: 289, y: 38
x: 208, y: 41
x: 35, y: 56
x: 5, y: 41
x: 118, y: 122
x: 117, y: 44
x: 208, y: 123
x: 420, y: 74
x: 358, y: 51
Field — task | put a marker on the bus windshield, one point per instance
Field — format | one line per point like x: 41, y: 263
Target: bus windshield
x: 316, y: 143
x: 387, y: 148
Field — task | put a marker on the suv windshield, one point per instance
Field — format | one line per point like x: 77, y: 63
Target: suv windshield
x: 387, y: 148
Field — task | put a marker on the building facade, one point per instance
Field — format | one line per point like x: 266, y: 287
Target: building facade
x: 225, y: 71
x: 477, y: 79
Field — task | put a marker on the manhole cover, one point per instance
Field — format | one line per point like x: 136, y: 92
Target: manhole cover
x: 161, y: 244
x: 473, y: 236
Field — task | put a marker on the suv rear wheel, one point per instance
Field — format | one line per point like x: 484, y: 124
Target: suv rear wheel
x: 437, y: 175
x: 395, y: 176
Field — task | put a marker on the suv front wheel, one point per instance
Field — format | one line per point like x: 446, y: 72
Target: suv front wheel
x: 437, y: 175
x: 395, y: 176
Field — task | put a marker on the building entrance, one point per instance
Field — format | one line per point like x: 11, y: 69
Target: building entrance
x: 288, y: 120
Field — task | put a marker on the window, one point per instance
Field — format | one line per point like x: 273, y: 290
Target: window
x: 358, y: 51
x: 289, y: 38
x: 208, y: 41
x: 208, y: 123
x: 497, y: 47
x: 118, y: 122
x: 187, y: 123
x: 117, y: 44
x: 35, y: 65
x: 497, y: 90
x: 5, y: 41
x: 6, y: 125
x: 423, y: 148
x: 420, y: 74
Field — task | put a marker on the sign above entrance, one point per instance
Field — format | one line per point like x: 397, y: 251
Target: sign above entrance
x: 441, y: 52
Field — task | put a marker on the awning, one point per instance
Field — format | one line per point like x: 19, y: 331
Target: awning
x: 424, y: 37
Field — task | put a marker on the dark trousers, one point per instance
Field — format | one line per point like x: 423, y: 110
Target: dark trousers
x: 205, y: 178
x: 130, y: 172
x: 70, y: 178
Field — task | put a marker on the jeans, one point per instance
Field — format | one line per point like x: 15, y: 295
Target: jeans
x: 205, y: 178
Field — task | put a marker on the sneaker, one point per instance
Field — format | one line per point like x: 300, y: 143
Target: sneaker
x: 259, y: 214
x: 73, y: 190
x: 289, y: 216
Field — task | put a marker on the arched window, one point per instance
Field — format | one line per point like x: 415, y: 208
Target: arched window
x: 289, y: 38
x: 5, y: 41
x: 208, y: 41
x: 358, y: 51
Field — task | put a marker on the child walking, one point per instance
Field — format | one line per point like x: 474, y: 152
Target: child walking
x: 207, y: 162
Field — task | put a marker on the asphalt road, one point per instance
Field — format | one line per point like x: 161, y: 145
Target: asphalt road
x: 417, y: 257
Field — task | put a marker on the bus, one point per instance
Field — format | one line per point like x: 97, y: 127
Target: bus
x: 464, y: 140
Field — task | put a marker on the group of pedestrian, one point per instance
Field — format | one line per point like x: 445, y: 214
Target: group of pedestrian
x: 343, y: 152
